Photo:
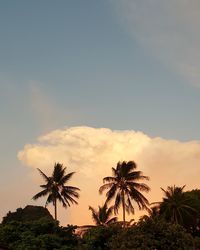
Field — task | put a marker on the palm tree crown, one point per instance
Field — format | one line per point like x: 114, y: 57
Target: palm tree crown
x: 55, y: 188
x: 175, y: 205
x: 124, y: 186
x: 103, y: 215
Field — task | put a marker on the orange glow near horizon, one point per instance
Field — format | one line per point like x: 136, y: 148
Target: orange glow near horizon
x: 92, y: 152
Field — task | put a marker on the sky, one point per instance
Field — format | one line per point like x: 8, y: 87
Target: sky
x: 90, y: 83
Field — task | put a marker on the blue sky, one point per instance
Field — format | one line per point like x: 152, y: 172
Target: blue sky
x: 94, y: 63
x: 90, y: 69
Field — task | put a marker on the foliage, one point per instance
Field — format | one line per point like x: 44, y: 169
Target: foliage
x: 98, y: 238
x: 124, y: 187
x: 29, y: 213
x: 56, y: 189
x: 193, y: 224
x: 181, y: 208
x: 176, y: 205
x: 103, y: 215
x: 42, y: 234
x: 152, y: 234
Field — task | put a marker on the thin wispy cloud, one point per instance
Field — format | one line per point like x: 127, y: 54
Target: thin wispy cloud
x: 43, y: 107
x: 91, y: 152
x: 169, y: 30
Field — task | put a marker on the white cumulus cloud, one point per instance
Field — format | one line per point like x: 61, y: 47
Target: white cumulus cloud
x: 91, y: 152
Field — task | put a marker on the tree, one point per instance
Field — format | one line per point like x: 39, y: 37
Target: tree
x: 125, y: 187
x: 176, y: 205
x: 103, y: 215
x: 99, y: 237
x: 56, y: 189
x: 43, y: 234
x: 194, y: 223
x: 153, y: 234
x: 29, y: 213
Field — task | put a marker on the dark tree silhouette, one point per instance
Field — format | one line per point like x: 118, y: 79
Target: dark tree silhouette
x: 103, y: 215
x: 175, y: 205
x: 55, y: 188
x: 124, y: 187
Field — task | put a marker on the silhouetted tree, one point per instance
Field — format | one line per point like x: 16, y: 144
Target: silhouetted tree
x: 176, y: 205
x: 125, y: 187
x: 103, y: 215
x: 56, y: 190
x: 193, y: 223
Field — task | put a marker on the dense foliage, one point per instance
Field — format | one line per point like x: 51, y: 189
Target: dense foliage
x: 98, y: 238
x: 152, y: 234
x: 29, y: 213
x: 43, y: 234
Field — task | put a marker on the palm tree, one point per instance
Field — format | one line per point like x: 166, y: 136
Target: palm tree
x: 176, y: 206
x: 55, y: 188
x: 103, y: 215
x: 124, y: 186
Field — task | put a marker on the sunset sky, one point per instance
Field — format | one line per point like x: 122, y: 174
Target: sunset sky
x: 90, y: 83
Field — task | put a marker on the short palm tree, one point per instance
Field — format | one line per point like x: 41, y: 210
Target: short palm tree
x: 124, y: 187
x: 103, y: 215
x: 55, y: 188
x: 176, y: 205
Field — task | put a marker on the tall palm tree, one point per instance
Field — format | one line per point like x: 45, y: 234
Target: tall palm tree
x: 55, y: 188
x: 125, y: 187
x: 103, y: 215
x: 176, y: 206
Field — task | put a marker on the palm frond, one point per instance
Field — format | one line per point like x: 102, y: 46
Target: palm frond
x: 118, y: 201
x: 104, y: 187
x: 139, y: 186
x: 50, y: 199
x: 40, y: 194
x: 109, y: 211
x: 112, y: 220
x: 61, y: 199
x: 46, y: 178
x: 141, y: 201
x: 95, y: 216
x: 136, y: 176
x: 58, y: 172
x: 66, y: 178
x: 128, y: 205
x: 111, y: 193
x: 109, y: 179
x: 70, y: 191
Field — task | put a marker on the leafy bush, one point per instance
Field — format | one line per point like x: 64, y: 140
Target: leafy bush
x: 29, y: 213
x: 42, y: 234
x: 152, y: 234
x: 98, y: 237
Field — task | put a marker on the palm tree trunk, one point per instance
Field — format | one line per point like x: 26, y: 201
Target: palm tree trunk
x: 123, y: 206
x: 55, y: 207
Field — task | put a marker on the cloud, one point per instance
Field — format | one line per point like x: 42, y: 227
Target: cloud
x: 168, y: 29
x: 43, y: 107
x: 91, y: 152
